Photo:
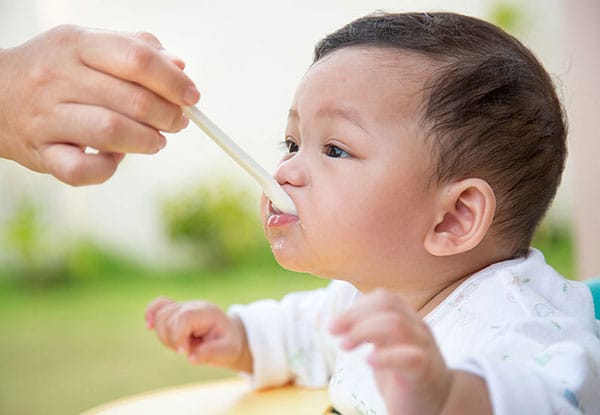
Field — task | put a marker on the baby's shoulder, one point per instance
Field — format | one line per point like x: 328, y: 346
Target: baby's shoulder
x: 522, y: 288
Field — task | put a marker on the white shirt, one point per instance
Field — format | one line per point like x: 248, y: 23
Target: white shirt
x: 530, y: 333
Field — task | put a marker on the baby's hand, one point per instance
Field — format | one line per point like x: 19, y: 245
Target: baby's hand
x: 202, y: 331
x: 409, y: 369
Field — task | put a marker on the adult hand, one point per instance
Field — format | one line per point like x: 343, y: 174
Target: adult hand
x: 73, y: 87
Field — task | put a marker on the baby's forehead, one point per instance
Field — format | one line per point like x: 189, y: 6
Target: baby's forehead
x: 382, y: 77
x: 395, y: 63
x: 393, y: 70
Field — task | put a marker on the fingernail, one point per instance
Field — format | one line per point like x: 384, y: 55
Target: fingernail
x: 173, y: 57
x: 162, y: 142
x: 183, y: 122
x: 181, y: 350
x: 191, y: 95
x: 149, y: 325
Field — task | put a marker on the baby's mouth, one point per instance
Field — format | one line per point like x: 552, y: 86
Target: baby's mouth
x: 272, y: 210
x: 276, y: 217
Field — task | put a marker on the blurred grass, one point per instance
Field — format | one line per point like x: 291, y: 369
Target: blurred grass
x: 68, y: 348
x: 80, y: 341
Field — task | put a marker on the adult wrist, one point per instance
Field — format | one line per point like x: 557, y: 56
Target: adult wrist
x: 4, y: 98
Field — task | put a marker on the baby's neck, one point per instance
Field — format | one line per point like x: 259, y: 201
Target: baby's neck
x: 437, y: 278
x: 428, y: 305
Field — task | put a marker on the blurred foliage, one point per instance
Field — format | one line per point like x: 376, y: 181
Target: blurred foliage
x: 217, y: 224
x: 37, y: 257
x: 89, y: 260
x: 23, y: 231
x: 555, y: 240
x: 507, y: 15
x: 31, y: 258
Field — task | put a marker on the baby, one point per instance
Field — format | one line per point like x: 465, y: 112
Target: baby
x: 423, y: 151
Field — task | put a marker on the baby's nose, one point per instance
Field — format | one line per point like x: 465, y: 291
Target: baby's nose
x: 291, y: 170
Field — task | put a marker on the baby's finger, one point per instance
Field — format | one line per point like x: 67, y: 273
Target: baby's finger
x: 165, y: 323
x: 205, y: 353
x: 211, y: 351
x: 409, y: 361
x: 193, y: 324
x: 366, y: 305
x: 382, y: 328
x: 152, y: 309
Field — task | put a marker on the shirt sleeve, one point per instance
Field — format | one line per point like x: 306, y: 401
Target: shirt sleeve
x: 561, y: 378
x: 289, y: 339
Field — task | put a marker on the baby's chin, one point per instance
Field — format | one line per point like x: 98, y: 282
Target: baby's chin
x: 294, y: 263
x: 286, y: 258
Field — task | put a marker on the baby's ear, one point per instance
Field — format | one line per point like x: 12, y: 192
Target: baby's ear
x: 465, y: 214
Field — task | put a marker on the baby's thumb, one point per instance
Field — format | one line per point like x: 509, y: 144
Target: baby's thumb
x: 201, y: 354
x: 210, y: 352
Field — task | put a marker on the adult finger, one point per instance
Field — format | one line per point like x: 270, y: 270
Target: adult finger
x: 129, y: 99
x: 104, y: 130
x: 153, y: 307
x: 132, y: 59
x: 149, y: 38
x: 72, y: 165
x: 153, y: 41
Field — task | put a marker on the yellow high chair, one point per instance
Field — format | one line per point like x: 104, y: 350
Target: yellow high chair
x: 224, y: 397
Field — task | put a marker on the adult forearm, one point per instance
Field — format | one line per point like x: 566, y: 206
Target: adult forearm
x: 5, y: 108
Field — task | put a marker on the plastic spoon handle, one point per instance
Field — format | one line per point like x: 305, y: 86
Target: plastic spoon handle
x: 272, y: 189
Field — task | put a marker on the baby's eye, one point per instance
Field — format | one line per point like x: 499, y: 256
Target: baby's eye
x: 291, y: 146
x: 335, y: 152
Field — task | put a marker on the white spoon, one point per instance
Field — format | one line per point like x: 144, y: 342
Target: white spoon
x: 272, y: 189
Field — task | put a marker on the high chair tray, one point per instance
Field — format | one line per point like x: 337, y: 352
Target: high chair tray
x: 224, y: 397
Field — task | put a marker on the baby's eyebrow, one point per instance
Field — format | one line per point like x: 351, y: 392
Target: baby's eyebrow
x: 346, y: 113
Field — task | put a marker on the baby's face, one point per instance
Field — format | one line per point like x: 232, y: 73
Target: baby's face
x: 356, y: 168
